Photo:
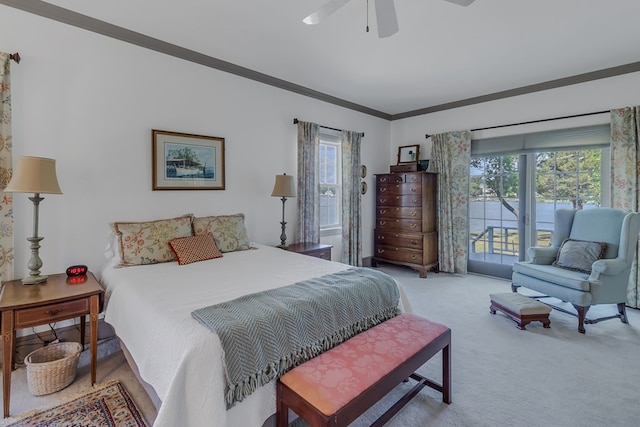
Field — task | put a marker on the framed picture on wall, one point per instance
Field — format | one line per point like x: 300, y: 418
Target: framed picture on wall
x: 183, y: 161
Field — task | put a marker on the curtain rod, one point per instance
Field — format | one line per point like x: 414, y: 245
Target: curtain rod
x: 15, y: 57
x: 536, y: 121
x: 295, y: 122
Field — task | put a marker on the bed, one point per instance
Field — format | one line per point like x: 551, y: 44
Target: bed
x: 150, y: 307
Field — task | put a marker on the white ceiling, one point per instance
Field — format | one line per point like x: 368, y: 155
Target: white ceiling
x: 443, y: 52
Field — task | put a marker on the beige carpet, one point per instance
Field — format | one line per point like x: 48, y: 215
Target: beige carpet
x: 111, y: 366
x: 502, y: 376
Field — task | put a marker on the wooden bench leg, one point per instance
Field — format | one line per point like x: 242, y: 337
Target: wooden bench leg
x: 446, y: 374
x: 282, y: 412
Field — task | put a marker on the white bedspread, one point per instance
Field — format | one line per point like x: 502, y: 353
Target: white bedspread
x: 150, y: 308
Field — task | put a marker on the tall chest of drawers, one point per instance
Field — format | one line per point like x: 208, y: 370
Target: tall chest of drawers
x: 406, y: 224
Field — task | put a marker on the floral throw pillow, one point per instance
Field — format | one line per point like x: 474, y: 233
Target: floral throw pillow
x: 579, y: 255
x: 195, y: 248
x: 228, y: 230
x: 148, y: 242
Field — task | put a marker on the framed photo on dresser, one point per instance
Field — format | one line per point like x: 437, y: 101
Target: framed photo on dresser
x: 408, y: 154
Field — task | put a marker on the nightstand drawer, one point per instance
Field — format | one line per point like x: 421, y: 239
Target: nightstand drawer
x: 51, y: 313
x: 317, y: 250
x: 323, y: 253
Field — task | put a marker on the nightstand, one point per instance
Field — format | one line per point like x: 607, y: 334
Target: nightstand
x: 59, y: 298
x: 318, y: 250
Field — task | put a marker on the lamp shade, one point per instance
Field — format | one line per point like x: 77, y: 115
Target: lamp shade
x: 34, y: 175
x: 285, y: 186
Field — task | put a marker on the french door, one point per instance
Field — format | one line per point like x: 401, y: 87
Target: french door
x: 513, y: 197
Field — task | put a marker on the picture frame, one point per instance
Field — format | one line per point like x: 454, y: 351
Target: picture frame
x: 408, y: 154
x: 184, y: 161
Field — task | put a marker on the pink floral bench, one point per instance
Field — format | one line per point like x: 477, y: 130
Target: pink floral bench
x: 336, y: 387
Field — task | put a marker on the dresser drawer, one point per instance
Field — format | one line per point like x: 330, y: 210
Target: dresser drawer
x: 395, y: 189
x: 51, y: 313
x: 414, y: 225
x: 395, y: 253
x: 394, y: 178
x: 391, y: 212
x: 399, y: 200
x: 405, y: 240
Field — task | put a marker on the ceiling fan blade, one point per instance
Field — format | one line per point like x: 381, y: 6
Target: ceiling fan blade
x: 386, y: 17
x: 324, y: 11
x: 461, y: 2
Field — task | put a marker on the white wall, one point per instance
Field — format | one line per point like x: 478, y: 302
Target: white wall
x: 90, y: 102
x: 600, y: 95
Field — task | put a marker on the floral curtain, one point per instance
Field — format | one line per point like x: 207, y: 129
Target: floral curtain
x: 351, y: 210
x: 625, y: 166
x: 6, y: 203
x: 451, y: 156
x: 308, y: 183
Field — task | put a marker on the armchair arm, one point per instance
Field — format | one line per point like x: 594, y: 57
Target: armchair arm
x: 608, y: 267
x: 544, y: 255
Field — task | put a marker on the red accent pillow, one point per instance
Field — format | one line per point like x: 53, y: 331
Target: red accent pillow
x: 195, y: 248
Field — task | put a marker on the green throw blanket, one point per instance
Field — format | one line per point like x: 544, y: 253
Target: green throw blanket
x: 265, y: 334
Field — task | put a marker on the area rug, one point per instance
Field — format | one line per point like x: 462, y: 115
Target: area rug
x: 104, y: 405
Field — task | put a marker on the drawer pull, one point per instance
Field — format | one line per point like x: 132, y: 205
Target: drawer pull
x: 414, y: 213
x: 380, y: 237
x: 414, y: 189
x: 53, y: 312
x: 415, y: 201
x: 382, y: 201
x: 383, y: 179
x: 383, y: 222
x: 414, y: 242
x: 383, y: 189
x: 380, y: 251
x: 414, y: 225
x: 383, y: 211
x: 414, y: 257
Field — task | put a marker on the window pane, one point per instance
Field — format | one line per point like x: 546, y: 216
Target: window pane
x: 328, y: 163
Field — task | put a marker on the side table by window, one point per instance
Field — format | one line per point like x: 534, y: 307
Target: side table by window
x: 318, y: 250
x: 59, y: 298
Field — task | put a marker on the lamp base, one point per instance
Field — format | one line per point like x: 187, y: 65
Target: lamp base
x: 34, y: 280
x: 283, y: 246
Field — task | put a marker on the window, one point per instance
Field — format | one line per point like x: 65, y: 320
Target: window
x: 330, y: 176
x: 518, y: 182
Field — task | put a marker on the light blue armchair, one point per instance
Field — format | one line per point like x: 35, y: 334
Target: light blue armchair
x: 581, y: 282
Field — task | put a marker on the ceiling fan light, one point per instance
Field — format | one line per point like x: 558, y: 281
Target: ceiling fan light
x: 311, y: 20
x: 461, y: 2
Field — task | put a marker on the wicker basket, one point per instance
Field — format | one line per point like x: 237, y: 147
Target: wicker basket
x: 52, y: 368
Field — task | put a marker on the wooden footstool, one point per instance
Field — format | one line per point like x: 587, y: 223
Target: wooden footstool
x: 520, y: 308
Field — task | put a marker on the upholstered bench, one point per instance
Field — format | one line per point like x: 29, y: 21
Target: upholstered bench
x: 520, y: 308
x: 339, y: 385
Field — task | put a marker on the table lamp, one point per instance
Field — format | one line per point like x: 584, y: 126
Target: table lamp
x: 284, y: 187
x: 34, y: 175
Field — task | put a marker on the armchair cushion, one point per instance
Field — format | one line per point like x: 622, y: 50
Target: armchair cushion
x: 579, y: 255
x: 528, y: 273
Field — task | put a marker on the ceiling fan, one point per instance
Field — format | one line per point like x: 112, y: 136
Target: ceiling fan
x: 385, y: 14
